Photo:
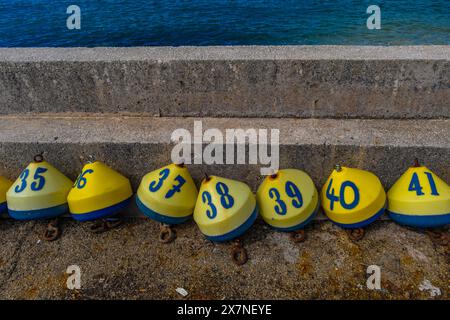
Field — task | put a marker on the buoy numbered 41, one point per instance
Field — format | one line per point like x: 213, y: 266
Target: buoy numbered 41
x: 288, y: 200
x: 167, y: 195
x: 99, y: 192
x: 5, y: 184
x: 40, y: 192
x: 353, y: 198
x: 420, y: 199
x: 225, y: 208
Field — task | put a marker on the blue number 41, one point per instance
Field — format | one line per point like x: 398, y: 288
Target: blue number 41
x: 414, y: 185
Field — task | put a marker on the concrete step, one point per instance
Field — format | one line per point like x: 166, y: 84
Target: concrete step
x: 137, y: 145
x: 130, y: 263
x: 287, y: 81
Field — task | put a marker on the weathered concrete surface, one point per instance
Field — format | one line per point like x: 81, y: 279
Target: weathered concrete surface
x: 287, y: 81
x: 137, y: 145
x: 130, y: 263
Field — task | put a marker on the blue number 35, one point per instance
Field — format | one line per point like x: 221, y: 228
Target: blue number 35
x: 36, y: 185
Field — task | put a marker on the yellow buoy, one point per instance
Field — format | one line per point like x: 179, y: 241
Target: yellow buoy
x: 353, y: 198
x: 420, y: 199
x: 5, y: 184
x: 225, y: 208
x: 40, y: 192
x: 98, y: 192
x: 288, y: 200
x: 167, y: 195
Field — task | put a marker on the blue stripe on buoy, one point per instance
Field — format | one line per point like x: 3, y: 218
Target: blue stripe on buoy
x: 238, y: 231
x: 364, y: 223
x: 102, y: 213
x: 420, y: 221
x: 3, y: 207
x: 301, y: 224
x: 47, y: 213
x: 159, y: 217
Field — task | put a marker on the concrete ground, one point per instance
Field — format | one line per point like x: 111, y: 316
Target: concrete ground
x: 130, y: 263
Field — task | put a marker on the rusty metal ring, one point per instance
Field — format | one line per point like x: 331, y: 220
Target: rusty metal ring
x: 356, y: 234
x: 111, y: 224
x: 99, y: 226
x: 52, y: 232
x: 239, y: 255
x: 298, y: 236
x: 38, y: 158
x: 166, y: 235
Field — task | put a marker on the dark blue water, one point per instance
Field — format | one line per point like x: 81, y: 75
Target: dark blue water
x: 219, y: 22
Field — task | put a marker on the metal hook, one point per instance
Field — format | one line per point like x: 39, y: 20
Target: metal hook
x: 166, y: 233
x: 356, y: 234
x: 239, y: 253
x: 53, y: 231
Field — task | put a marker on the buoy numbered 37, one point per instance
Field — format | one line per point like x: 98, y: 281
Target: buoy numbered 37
x: 167, y: 195
x: 353, y: 198
x: 225, y: 208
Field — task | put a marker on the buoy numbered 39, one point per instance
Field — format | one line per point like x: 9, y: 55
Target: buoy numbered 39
x: 353, y: 198
x: 420, y: 199
x: 225, y: 208
x: 99, y: 192
x: 288, y: 200
x: 167, y: 195
x: 40, y: 192
x: 5, y: 184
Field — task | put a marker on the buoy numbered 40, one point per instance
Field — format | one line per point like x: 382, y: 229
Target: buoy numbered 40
x: 99, y: 192
x: 40, y: 192
x: 288, y: 200
x: 353, y: 198
x: 225, y: 208
x: 5, y: 184
x: 167, y: 195
x: 420, y: 199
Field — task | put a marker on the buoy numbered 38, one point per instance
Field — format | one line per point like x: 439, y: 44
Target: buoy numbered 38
x: 225, y: 208
x: 99, y: 192
x: 5, y: 184
x: 40, y: 192
x: 167, y: 195
x: 288, y: 200
x: 420, y: 199
x: 353, y: 198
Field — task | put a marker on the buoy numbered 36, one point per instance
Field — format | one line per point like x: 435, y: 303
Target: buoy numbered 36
x: 353, y: 198
x: 167, y: 195
x: 288, y: 200
x: 420, y: 199
x: 40, y: 192
x: 99, y: 192
x: 225, y: 208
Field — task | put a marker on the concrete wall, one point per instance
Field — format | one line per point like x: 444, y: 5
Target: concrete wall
x: 300, y: 81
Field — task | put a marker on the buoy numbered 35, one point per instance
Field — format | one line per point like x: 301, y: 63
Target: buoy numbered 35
x: 40, y: 192
x: 353, y: 198
x: 225, y: 208
x: 167, y: 195
x: 288, y: 200
x: 5, y: 184
x: 99, y: 192
x: 420, y: 199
